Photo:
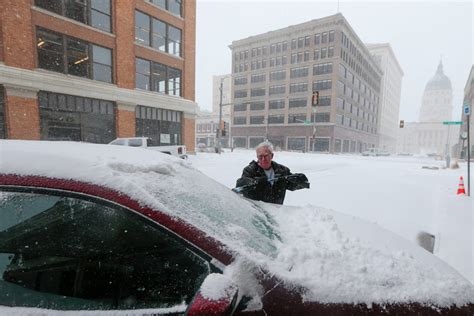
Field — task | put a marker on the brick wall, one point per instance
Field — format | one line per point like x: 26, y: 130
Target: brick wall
x: 22, y: 118
x: 124, y: 26
x: 124, y: 123
x: 189, y: 40
x: 189, y: 137
x: 17, y: 34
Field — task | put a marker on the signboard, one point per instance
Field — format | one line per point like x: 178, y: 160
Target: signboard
x: 165, y: 138
x: 452, y: 123
x: 466, y: 110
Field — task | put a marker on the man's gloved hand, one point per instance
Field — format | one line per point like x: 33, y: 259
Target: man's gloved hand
x: 297, y: 181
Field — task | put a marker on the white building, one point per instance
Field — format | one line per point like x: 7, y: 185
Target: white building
x: 390, y: 93
x: 430, y: 135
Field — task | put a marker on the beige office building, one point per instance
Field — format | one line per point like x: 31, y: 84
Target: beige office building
x: 274, y: 77
x: 391, y: 90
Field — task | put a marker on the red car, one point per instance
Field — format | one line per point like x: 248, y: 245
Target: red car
x: 96, y: 228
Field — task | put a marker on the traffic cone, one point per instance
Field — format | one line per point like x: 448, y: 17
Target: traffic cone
x: 461, y: 187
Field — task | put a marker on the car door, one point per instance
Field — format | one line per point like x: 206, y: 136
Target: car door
x: 69, y: 251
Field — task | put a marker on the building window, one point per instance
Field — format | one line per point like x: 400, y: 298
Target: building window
x: 257, y: 106
x: 321, y: 144
x: 321, y: 117
x: 162, y: 126
x: 157, y: 34
x: 95, y: 13
x: 297, y: 103
x: 296, y: 143
x: 323, y: 52
x: 276, y: 104
x: 240, y: 120
x: 321, y: 69
x: 339, y: 119
x: 242, y: 107
x: 300, y: 42
x: 240, y: 81
x: 299, y: 72
x: 281, y: 89
x: 324, y: 101
x: 317, y: 39
x: 277, y: 75
x: 257, y: 92
x: 324, y: 37
x: 240, y: 94
x: 296, y: 118
x: 60, y: 53
x: 284, y: 46
x: 306, y: 56
x: 298, y: 87
x: 157, y: 77
x: 316, y: 54
x: 239, y: 142
x: 293, y: 43
x: 101, y: 64
x: 257, y: 78
x: 322, y: 85
x: 3, y: 131
x: 67, y: 117
x: 276, y: 119
x: 256, y: 120
x: 330, y: 51
x: 173, y: 6
x: 331, y: 36
x: 254, y: 141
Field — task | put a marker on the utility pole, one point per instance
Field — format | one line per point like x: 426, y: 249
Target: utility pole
x: 219, y: 130
x: 314, y: 103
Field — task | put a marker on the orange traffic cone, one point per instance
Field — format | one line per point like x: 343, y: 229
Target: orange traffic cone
x: 461, y: 187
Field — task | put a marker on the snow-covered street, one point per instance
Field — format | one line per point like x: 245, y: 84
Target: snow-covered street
x: 395, y: 192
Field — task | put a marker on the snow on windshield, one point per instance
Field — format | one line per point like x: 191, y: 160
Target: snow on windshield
x: 328, y: 253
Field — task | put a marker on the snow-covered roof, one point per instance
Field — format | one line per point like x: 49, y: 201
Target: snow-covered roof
x: 336, y: 257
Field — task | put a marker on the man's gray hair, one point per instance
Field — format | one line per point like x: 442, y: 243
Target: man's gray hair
x: 265, y: 144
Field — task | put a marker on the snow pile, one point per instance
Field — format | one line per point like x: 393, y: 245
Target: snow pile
x: 336, y: 266
x: 217, y: 287
x: 337, y: 258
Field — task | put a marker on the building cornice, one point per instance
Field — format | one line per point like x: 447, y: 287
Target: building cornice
x: 40, y: 79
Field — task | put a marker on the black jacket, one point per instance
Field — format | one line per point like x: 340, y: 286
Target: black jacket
x: 264, y: 190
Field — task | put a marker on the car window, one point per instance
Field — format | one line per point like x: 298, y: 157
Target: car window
x: 68, y: 253
x: 135, y: 142
x: 118, y: 142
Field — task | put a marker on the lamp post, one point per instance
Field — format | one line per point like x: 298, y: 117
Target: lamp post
x: 219, y: 130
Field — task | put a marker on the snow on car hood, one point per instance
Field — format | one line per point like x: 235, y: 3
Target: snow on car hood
x: 336, y: 257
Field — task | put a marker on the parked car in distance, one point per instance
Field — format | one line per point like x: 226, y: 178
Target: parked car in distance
x: 375, y: 152
x: 145, y: 142
x: 90, y: 229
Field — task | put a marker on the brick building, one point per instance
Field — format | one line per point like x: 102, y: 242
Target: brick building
x: 96, y: 70
x: 275, y: 75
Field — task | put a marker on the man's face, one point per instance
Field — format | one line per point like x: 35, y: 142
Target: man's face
x: 264, y: 157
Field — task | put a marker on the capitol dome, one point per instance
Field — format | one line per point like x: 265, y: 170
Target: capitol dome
x: 439, y: 81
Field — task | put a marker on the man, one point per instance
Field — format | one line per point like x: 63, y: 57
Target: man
x: 267, y: 179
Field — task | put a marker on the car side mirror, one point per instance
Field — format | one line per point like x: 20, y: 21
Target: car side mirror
x: 218, y: 295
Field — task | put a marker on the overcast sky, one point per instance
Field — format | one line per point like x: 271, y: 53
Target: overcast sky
x: 420, y: 33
